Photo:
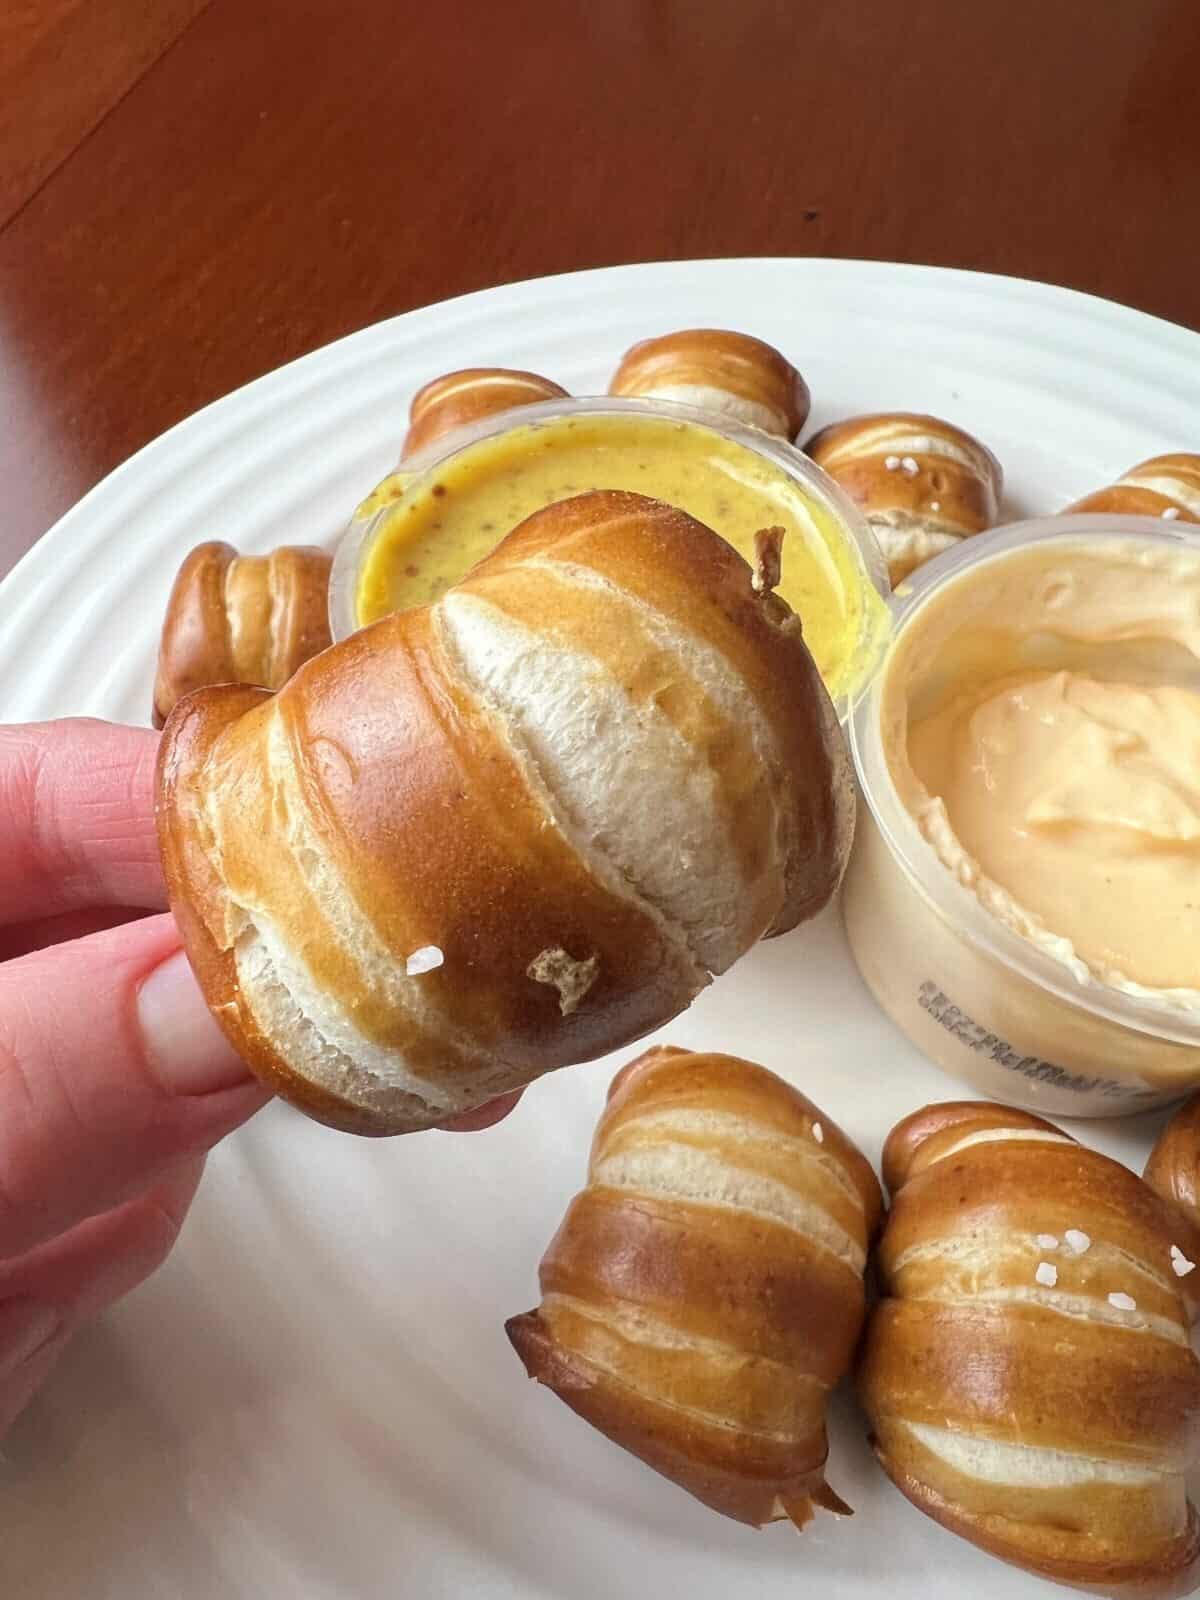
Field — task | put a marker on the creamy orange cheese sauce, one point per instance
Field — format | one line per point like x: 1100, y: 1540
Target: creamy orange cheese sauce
x: 1048, y: 743
x: 434, y: 527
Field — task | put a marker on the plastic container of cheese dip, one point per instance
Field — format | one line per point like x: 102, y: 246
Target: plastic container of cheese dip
x: 428, y: 523
x: 988, y: 991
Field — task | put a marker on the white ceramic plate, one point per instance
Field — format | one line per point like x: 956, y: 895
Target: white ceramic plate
x: 316, y: 1398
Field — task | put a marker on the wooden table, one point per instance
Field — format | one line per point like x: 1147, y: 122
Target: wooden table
x: 194, y: 191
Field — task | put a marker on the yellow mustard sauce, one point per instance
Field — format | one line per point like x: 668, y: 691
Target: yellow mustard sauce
x: 436, y: 526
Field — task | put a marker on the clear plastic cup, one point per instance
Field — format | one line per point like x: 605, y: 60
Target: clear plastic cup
x: 974, y: 996
x: 863, y: 650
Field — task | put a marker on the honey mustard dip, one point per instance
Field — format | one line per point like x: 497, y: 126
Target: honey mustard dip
x: 432, y: 525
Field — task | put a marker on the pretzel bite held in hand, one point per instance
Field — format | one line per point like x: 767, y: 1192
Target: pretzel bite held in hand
x: 1028, y: 1374
x: 469, y: 396
x: 922, y: 483
x: 705, y: 1292
x: 1165, y: 486
x: 513, y: 829
x: 730, y: 373
x: 241, y: 619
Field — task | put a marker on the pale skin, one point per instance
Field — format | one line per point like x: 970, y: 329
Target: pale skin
x: 114, y: 1080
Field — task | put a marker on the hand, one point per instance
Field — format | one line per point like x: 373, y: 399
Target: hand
x: 114, y: 1078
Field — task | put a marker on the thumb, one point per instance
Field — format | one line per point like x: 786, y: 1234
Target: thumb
x: 181, y: 1042
x: 111, y: 1070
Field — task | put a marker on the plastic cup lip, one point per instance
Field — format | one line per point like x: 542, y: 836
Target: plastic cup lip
x: 902, y: 837
x: 868, y: 648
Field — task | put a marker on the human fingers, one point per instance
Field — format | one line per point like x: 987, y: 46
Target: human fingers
x: 31, y: 1341
x: 77, y: 819
x: 22, y: 938
x: 97, y: 1261
x: 49, y: 1292
x: 112, y: 1071
x: 484, y: 1116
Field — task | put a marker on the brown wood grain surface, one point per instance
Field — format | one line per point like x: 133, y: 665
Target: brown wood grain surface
x: 290, y: 170
x: 64, y: 64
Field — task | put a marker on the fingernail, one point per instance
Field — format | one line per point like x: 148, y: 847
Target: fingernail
x: 183, y: 1043
x: 25, y: 1327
